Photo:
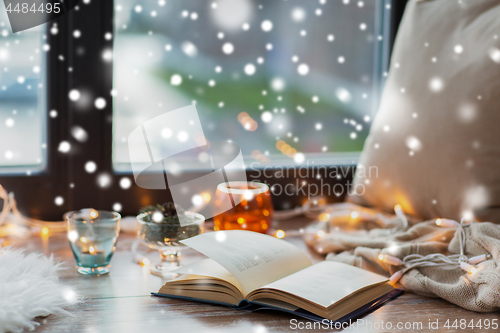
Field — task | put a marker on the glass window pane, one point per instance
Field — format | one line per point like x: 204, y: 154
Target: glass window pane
x: 276, y: 77
x: 22, y: 124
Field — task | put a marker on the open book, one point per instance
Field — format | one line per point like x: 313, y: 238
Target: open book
x: 248, y: 270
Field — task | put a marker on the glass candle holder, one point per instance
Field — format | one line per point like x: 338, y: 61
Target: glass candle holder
x: 165, y: 236
x: 92, y: 237
x: 254, y: 211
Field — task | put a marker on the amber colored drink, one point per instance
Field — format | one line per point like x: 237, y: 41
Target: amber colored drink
x: 254, y: 211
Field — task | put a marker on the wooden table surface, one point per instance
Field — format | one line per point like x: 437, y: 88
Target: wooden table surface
x: 121, y: 302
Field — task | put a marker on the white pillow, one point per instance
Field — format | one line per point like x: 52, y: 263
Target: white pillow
x: 436, y: 137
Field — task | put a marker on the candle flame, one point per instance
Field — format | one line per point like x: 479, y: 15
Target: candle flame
x: 91, y: 250
x: 45, y: 231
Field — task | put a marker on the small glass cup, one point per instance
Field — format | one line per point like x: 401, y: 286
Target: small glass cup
x: 165, y: 237
x: 254, y: 211
x: 93, y: 239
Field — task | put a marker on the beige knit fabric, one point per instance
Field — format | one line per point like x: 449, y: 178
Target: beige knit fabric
x: 479, y: 292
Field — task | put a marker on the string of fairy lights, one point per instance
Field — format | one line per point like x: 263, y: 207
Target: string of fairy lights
x: 12, y: 222
x: 409, y: 262
x: 449, y: 262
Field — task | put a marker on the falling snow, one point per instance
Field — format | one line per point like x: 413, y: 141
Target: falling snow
x: 303, y: 69
x: 125, y: 183
x: 90, y: 167
x: 238, y: 50
x: 436, y: 84
x: 413, y: 143
x: 79, y: 134
x: 64, y: 147
x: 175, y: 80
x: 267, y: 117
x: 267, y: 26
x: 100, y: 103
x: 59, y: 201
x: 494, y: 54
x: 227, y: 48
x: 249, y: 69
x: 298, y: 14
x: 74, y: 95
x: 458, y: 49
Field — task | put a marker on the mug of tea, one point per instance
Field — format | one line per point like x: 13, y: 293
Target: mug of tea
x: 252, y: 208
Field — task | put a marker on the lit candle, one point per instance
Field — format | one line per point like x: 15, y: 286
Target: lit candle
x: 92, y: 237
x: 93, y: 258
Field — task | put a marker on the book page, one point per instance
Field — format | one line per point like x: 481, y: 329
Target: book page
x: 327, y: 282
x: 210, y: 268
x: 253, y: 259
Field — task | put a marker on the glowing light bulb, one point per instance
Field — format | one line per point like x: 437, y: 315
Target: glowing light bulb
x: 145, y: 262
x: 468, y: 268
x: 320, y: 233
x: 390, y: 260
x: 395, y: 277
x: 354, y: 215
x: 446, y: 223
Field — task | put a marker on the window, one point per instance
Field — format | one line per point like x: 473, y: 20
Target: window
x: 285, y: 80
x: 132, y: 60
x: 22, y: 99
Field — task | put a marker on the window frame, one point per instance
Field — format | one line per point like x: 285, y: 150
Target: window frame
x: 48, y: 183
x: 35, y: 194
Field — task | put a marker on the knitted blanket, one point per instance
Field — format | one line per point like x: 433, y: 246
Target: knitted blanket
x: 364, y: 240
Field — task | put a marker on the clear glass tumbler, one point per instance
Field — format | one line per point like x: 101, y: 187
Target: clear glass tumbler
x: 92, y: 237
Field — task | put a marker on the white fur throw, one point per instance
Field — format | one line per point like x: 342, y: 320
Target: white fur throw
x: 29, y: 288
